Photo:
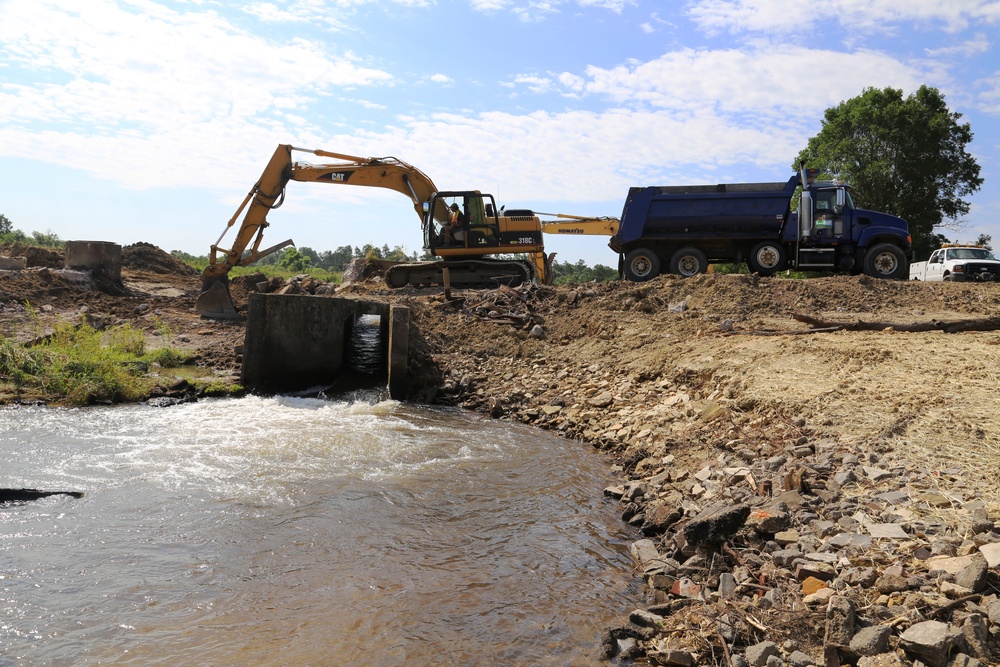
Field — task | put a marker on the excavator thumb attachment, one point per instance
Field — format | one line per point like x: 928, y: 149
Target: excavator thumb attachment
x: 215, y: 302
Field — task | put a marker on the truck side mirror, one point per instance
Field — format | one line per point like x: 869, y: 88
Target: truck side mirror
x: 838, y: 207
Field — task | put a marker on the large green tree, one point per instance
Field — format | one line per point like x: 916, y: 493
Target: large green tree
x: 904, y: 156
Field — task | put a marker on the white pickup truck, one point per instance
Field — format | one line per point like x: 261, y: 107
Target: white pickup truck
x: 958, y: 263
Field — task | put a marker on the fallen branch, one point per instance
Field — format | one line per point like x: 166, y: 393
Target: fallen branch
x: 817, y: 325
x: 772, y: 332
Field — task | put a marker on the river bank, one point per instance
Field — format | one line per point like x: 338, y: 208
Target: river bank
x: 812, y: 497
x: 822, y: 498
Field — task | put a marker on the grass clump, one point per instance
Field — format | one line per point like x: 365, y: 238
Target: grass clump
x: 79, y: 365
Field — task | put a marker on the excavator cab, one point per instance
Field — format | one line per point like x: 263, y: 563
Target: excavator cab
x: 480, y: 228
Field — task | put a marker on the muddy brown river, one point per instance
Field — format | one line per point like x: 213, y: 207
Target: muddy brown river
x: 303, y: 531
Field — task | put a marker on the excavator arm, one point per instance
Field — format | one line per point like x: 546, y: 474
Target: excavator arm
x: 268, y: 193
x: 580, y: 225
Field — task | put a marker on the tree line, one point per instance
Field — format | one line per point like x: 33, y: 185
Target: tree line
x: 8, y: 234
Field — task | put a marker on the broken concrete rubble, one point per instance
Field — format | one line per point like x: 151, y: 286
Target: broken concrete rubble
x: 828, y: 548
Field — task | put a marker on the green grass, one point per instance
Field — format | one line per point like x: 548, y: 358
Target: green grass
x: 269, y: 270
x: 79, y: 365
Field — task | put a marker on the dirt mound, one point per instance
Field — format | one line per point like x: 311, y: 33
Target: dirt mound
x: 147, y: 257
x: 47, y: 257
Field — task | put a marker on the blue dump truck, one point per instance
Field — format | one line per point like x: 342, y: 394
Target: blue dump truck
x: 682, y: 229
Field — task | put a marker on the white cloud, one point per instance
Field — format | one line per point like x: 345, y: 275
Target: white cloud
x: 617, y: 6
x: 441, y: 78
x: 539, y: 10
x: 332, y: 15
x: 989, y: 99
x: 776, y: 16
x: 754, y: 88
x: 160, y: 81
x: 972, y: 47
x: 572, y: 82
x: 536, y: 84
x: 488, y: 5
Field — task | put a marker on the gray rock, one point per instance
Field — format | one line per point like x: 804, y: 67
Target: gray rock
x: 644, y: 551
x: 822, y: 557
x: 602, y: 400
x: 716, y: 525
x: 727, y: 585
x: 645, y: 619
x: 674, y: 657
x: 891, y: 583
x: 871, y: 641
x: 863, y: 577
x: 821, y: 571
x: 884, y: 660
x: 839, y: 622
x: 824, y: 528
x: 930, y: 641
x: 969, y: 571
x: 800, y: 659
x: 976, y: 635
x: 992, y: 607
x: 844, y: 478
x: 660, y: 515
x: 892, y: 531
x: 785, y: 557
x: 758, y: 654
x: 991, y: 552
x: 981, y: 522
x: 974, y: 575
x: 769, y: 521
x: 626, y: 648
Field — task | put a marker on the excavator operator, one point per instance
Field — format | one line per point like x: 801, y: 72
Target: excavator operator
x: 454, y: 232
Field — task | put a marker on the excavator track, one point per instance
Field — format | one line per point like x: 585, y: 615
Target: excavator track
x: 466, y: 273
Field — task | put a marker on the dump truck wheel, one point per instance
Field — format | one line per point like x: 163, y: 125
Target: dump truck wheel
x: 641, y: 265
x: 767, y: 258
x: 687, y: 262
x: 885, y: 260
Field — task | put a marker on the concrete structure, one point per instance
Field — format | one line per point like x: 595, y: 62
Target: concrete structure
x: 399, y: 344
x: 295, y: 342
x: 13, y: 263
x: 97, y: 256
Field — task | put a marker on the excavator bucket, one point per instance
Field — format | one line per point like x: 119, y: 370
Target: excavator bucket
x: 215, y: 302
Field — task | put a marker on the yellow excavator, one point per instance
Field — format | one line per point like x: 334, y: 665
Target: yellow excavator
x: 465, y: 252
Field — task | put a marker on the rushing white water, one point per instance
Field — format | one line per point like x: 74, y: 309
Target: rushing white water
x: 265, y: 531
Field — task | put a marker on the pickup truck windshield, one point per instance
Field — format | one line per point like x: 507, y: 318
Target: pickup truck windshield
x: 969, y: 253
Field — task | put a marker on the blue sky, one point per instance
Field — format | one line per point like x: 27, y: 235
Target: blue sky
x: 149, y: 120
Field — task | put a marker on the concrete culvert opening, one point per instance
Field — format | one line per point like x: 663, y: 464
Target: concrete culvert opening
x: 366, y: 352
x: 297, y: 343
